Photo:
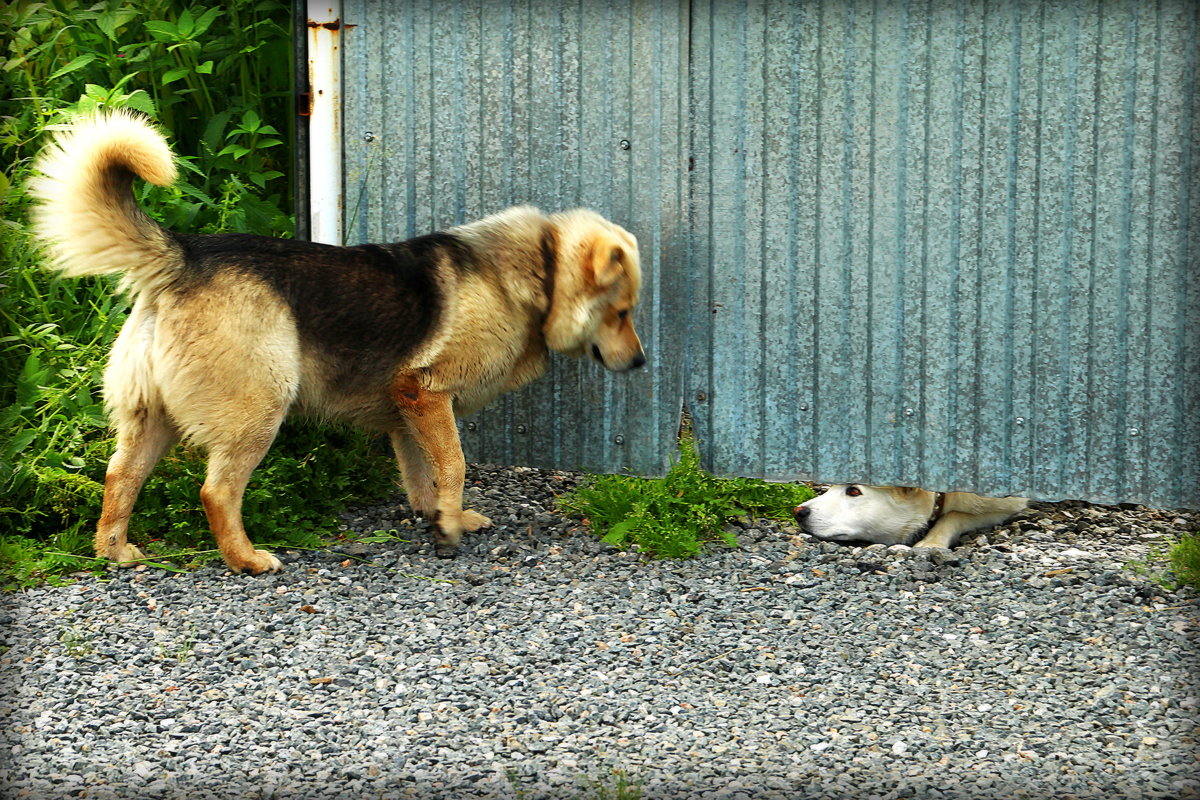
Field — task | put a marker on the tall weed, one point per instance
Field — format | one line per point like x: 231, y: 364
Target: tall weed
x: 216, y: 77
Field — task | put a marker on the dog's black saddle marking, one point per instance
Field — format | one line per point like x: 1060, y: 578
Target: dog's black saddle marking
x: 367, y: 308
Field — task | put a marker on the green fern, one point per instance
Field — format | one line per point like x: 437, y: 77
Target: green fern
x: 678, y: 515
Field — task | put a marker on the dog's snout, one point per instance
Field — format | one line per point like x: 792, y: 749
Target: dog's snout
x: 618, y: 363
x: 801, y: 513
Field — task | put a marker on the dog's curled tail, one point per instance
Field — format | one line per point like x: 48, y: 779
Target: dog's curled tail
x: 85, y: 211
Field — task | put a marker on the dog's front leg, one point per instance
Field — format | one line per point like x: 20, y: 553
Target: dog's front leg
x: 430, y: 419
x: 947, y: 530
x: 420, y: 481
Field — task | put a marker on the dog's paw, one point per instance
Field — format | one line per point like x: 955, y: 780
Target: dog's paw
x: 126, y: 556
x: 473, y: 520
x: 261, y: 561
x: 933, y: 545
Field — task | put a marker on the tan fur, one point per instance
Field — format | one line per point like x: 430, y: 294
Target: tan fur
x: 216, y: 357
x: 579, y: 293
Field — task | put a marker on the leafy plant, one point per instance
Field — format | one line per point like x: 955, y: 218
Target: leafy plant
x: 676, y: 516
x: 77, y: 642
x: 216, y: 78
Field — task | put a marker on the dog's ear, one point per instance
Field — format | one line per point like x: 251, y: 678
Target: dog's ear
x: 608, y: 261
x: 906, y: 491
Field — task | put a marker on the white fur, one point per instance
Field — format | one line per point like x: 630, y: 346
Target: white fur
x: 897, y: 515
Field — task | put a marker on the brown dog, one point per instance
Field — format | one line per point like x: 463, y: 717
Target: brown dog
x: 231, y: 333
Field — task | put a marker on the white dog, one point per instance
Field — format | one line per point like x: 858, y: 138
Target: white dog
x: 898, y: 515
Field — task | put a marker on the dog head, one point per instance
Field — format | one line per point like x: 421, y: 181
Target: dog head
x: 879, y: 514
x: 597, y: 278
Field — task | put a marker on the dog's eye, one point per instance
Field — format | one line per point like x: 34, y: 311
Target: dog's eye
x: 853, y: 491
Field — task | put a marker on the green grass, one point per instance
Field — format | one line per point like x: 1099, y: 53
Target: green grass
x: 178, y: 647
x: 620, y: 786
x: 1173, y: 567
x: 678, y: 515
x: 1184, y: 558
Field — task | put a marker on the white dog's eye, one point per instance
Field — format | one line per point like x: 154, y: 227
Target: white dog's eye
x: 853, y: 491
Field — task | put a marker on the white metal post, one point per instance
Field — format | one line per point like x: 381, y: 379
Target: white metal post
x: 325, y: 120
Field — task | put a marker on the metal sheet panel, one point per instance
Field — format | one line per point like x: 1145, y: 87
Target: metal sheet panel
x: 949, y: 244
x: 457, y: 110
x: 934, y: 242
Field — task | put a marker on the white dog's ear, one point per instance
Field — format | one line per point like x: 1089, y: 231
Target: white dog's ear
x: 906, y: 491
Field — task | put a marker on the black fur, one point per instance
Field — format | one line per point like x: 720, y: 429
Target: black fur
x: 366, y: 307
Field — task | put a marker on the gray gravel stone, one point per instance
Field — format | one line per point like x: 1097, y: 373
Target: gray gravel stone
x: 1030, y: 662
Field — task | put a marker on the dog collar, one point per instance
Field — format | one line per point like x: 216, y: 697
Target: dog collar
x: 939, y: 503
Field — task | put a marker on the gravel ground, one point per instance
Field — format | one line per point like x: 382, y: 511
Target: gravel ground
x: 1030, y: 662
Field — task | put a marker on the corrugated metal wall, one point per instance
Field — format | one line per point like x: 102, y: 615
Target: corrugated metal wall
x: 470, y: 107
x: 936, y: 243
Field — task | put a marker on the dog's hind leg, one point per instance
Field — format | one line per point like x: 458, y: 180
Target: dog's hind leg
x: 229, y: 468
x: 416, y: 473
x: 143, y: 436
